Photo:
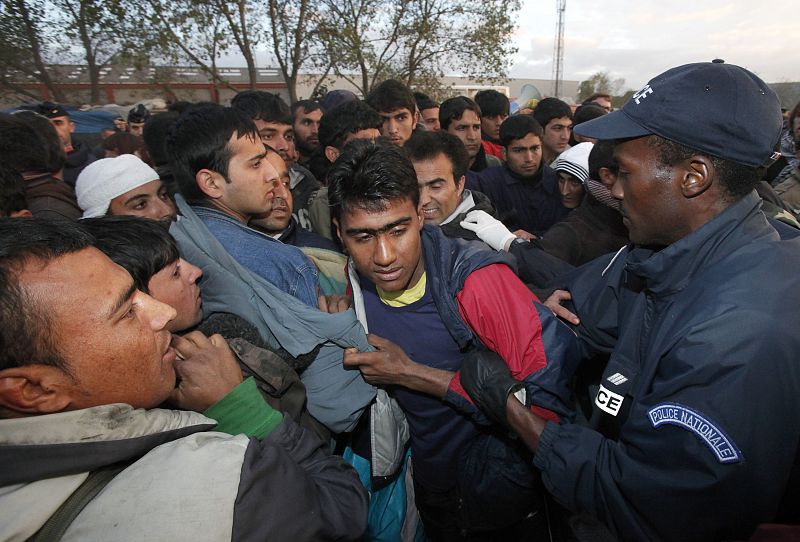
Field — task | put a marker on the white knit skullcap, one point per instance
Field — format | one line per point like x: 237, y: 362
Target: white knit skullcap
x: 575, y: 161
x: 103, y: 180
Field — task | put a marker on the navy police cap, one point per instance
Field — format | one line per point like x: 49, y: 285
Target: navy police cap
x: 51, y: 110
x: 720, y: 109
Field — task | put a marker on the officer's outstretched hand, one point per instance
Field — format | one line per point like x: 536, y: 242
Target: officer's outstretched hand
x: 488, y: 381
x: 488, y: 229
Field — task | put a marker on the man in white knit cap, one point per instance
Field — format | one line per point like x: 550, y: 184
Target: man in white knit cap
x: 123, y: 185
x: 572, y: 168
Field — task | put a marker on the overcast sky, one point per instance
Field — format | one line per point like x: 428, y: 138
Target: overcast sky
x: 637, y: 40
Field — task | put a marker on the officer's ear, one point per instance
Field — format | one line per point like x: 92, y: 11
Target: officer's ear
x: 696, y: 176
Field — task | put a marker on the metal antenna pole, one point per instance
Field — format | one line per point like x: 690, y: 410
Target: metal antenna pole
x: 558, y: 48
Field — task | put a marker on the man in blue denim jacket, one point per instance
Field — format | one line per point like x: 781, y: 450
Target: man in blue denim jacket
x: 219, y: 164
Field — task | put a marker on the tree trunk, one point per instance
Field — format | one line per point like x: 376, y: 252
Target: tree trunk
x: 36, y: 52
x: 91, y: 58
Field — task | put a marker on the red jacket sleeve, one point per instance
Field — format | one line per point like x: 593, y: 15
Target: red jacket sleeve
x: 501, y: 311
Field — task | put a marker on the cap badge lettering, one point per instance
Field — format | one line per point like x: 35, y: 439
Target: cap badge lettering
x: 642, y: 94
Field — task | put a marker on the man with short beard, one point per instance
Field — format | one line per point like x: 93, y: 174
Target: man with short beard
x: 306, y: 115
x: 395, y: 103
x: 221, y: 169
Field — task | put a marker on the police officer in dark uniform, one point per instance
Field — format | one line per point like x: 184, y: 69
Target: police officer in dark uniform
x: 699, y: 405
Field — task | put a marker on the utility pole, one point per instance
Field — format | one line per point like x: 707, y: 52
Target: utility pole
x: 558, y: 48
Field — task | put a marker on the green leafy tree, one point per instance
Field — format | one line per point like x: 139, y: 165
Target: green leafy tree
x: 416, y: 40
x: 600, y: 82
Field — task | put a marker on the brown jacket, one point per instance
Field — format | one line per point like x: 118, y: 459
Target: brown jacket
x: 51, y: 197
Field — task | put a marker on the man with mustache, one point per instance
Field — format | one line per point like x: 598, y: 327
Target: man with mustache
x: 279, y: 223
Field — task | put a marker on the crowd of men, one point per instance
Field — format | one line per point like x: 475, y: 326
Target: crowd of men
x: 391, y: 318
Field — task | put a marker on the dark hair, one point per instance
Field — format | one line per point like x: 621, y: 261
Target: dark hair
x: 12, y: 191
x: 29, y: 142
x: 453, y: 109
x: 260, y: 105
x: 587, y: 112
x: 180, y: 106
x: 549, y: 109
x: 199, y: 140
x: 602, y: 156
x: 517, y: 127
x: 26, y: 335
x: 368, y: 175
x: 346, y: 119
x: 596, y: 95
x: 308, y: 106
x: 428, y: 145
x: 138, y: 114
x: 492, y: 102
x: 583, y: 114
x: 390, y: 95
x: 141, y: 246
x: 738, y: 179
x: 123, y: 143
x: 155, y: 136
x: 424, y: 101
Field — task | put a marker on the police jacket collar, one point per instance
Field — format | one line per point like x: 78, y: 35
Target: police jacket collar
x: 670, y: 270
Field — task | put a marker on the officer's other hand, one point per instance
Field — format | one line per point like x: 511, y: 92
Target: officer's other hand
x: 522, y: 234
x: 207, y: 368
x: 554, y: 304
x: 487, y: 379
